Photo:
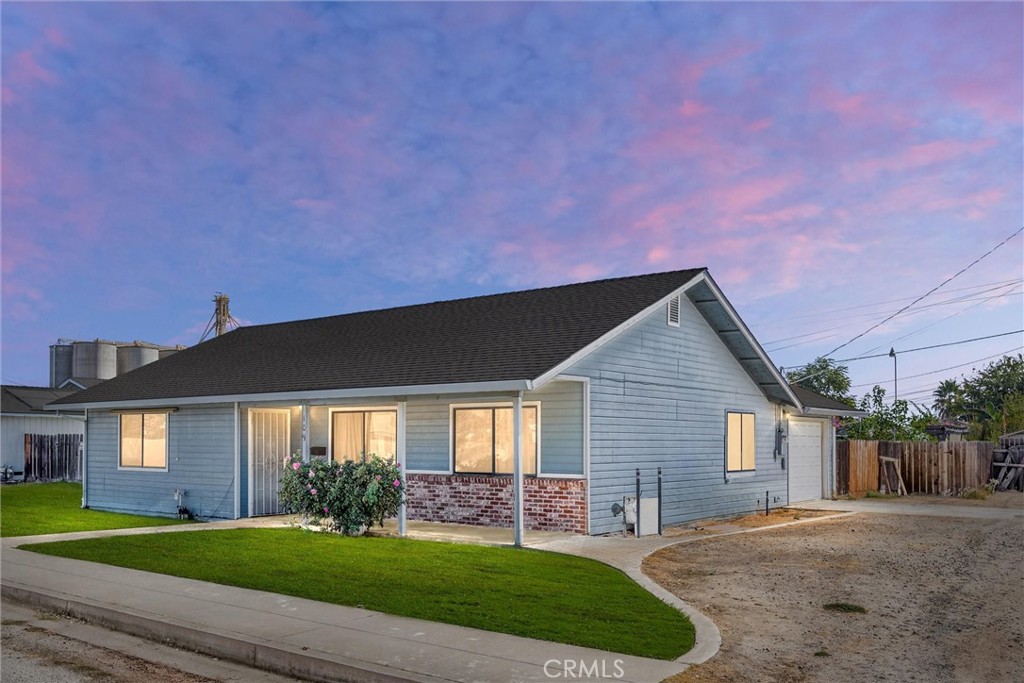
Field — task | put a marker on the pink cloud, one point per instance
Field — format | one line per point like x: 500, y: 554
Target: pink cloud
x: 915, y: 156
x: 759, y: 125
x: 56, y: 37
x: 789, y: 214
x: 692, y: 108
x: 750, y: 194
x: 657, y: 255
x: 25, y: 68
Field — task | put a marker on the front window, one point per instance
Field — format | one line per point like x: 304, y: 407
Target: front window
x: 362, y: 434
x: 483, y: 440
x: 739, y: 442
x: 144, y: 440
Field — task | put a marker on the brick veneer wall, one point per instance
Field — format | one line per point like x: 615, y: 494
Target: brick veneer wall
x: 549, y: 504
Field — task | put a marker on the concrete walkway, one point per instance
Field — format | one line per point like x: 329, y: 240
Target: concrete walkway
x: 289, y: 635
x: 895, y: 506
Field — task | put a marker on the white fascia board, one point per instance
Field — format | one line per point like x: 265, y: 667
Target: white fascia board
x: 612, y: 334
x: 281, y: 396
x: 735, y: 317
x: 830, y: 412
x: 70, y: 416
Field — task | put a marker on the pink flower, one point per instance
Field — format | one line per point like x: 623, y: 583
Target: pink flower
x: 398, y: 465
x: 296, y: 466
x: 312, y: 474
x: 378, y: 477
x: 397, y: 483
x: 326, y: 511
x: 313, y: 491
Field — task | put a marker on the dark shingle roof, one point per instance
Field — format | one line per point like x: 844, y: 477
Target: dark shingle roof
x: 515, y: 336
x: 812, y: 399
x: 19, y: 399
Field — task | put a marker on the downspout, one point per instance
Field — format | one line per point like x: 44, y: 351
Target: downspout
x: 85, y: 461
x: 517, y: 470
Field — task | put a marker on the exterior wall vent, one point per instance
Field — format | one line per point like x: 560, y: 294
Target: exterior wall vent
x: 673, y: 311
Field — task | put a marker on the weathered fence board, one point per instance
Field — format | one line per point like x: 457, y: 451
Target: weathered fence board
x: 53, y: 457
x: 843, y: 467
x: 946, y: 467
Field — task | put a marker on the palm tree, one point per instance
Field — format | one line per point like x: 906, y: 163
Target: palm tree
x: 948, y: 399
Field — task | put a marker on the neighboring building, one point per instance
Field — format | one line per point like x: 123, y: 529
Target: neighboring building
x: 81, y: 364
x: 605, y: 377
x: 22, y: 412
x: 948, y: 430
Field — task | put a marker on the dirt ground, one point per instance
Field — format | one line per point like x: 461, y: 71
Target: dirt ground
x: 41, y: 647
x: 943, y: 599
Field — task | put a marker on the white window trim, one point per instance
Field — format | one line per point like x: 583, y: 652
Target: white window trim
x: 452, y: 407
x: 356, y: 409
x: 167, y: 448
x: 738, y: 474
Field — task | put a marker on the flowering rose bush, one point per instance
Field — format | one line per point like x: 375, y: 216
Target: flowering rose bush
x: 347, y: 497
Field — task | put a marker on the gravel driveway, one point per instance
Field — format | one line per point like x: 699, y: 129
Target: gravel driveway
x: 943, y: 599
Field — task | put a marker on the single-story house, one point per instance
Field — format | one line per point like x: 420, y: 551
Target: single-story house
x: 603, y: 377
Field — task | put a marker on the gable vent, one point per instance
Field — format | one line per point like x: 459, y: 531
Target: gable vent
x: 673, y: 311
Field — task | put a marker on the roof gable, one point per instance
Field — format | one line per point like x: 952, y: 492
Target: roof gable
x: 19, y: 399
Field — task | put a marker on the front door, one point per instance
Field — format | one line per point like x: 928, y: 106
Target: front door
x: 269, y: 441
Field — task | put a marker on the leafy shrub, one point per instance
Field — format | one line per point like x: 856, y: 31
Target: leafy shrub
x: 347, y: 497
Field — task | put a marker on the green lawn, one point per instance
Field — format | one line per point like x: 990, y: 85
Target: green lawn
x: 524, y: 592
x: 55, y: 508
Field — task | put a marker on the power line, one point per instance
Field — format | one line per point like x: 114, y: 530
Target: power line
x: 817, y: 314
x: 935, y: 372
x: 945, y: 318
x: 934, y: 346
x: 921, y: 348
x: 1013, y: 284
x: 930, y: 291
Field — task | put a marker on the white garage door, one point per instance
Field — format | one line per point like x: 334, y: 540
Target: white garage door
x: 804, y: 460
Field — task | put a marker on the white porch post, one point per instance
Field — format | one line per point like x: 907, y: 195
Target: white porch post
x: 517, y: 469
x: 400, y: 457
x: 238, y: 464
x: 305, y: 431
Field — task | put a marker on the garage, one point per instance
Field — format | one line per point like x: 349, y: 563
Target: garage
x: 805, y: 461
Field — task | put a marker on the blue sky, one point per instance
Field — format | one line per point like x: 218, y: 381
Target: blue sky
x: 828, y: 162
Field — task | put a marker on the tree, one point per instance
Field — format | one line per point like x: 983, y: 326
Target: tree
x: 884, y: 422
x: 825, y: 377
x: 990, y: 399
x: 948, y: 399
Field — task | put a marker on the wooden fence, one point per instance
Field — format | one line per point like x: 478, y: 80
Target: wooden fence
x: 53, y: 457
x: 946, y: 467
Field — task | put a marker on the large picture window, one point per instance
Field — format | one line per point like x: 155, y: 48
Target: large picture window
x: 739, y: 442
x: 483, y: 440
x: 144, y: 440
x: 360, y: 434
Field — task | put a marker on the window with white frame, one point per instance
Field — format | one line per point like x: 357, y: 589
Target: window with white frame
x: 483, y: 443
x: 143, y: 441
x: 739, y: 442
x: 360, y: 434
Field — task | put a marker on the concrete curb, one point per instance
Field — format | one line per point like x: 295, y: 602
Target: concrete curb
x: 278, y: 659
